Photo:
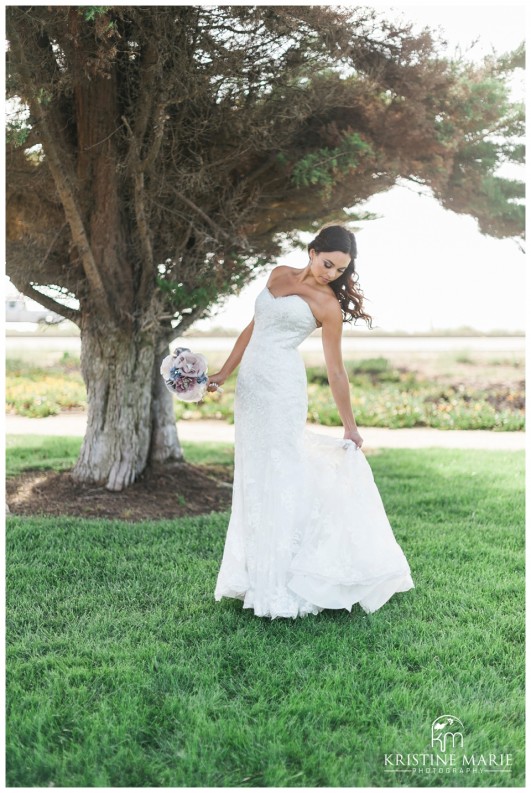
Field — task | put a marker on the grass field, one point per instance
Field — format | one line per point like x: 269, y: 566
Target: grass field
x: 42, y: 452
x: 122, y: 670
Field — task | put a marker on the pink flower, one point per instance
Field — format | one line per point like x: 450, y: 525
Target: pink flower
x: 194, y: 394
x: 185, y: 383
x: 191, y: 364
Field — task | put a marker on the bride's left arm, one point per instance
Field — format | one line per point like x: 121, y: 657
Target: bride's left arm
x: 332, y: 326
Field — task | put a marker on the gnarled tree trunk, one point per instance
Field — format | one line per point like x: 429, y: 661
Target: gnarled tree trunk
x: 165, y: 446
x: 129, y: 417
x: 131, y: 421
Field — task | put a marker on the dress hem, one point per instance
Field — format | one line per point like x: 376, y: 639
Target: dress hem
x: 331, y: 599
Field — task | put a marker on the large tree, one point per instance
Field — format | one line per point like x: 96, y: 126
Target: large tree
x: 169, y: 151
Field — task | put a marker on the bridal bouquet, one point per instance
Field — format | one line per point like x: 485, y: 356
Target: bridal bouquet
x: 184, y: 374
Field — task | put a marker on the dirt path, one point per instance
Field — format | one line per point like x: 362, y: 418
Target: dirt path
x: 73, y: 424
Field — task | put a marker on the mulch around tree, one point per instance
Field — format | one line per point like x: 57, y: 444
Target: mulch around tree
x: 164, y: 492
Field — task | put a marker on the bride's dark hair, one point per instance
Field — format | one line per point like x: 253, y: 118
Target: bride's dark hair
x: 334, y: 237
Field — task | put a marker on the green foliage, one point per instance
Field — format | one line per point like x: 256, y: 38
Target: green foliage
x: 91, y: 12
x: 379, y: 368
x: 326, y: 165
x: 487, y: 93
x: 513, y: 152
x: 412, y: 403
x: 512, y: 60
x: 181, y: 295
x: 36, y: 391
x: 44, y: 96
x: 364, y: 372
x: 17, y: 132
x: 505, y: 195
x: 484, y: 127
x: 229, y: 280
x: 382, y: 395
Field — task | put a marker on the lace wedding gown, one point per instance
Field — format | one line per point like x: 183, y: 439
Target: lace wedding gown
x: 308, y: 529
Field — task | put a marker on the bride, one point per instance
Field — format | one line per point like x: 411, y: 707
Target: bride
x: 307, y: 528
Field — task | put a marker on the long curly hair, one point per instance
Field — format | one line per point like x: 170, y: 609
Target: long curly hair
x: 335, y: 237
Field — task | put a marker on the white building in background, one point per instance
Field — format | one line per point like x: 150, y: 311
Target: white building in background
x: 17, y: 311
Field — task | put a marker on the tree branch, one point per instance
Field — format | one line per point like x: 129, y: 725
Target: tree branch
x: 48, y: 302
x: 140, y: 215
x: 201, y: 214
x: 63, y: 180
x: 169, y: 334
x: 146, y: 102
x: 261, y: 169
x: 146, y: 90
x: 152, y: 154
x: 145, y: 238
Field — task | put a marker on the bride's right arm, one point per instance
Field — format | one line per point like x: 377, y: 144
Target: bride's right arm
x: 236, y: 355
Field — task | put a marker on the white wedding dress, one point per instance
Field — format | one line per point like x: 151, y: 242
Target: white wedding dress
x: 307, y: 530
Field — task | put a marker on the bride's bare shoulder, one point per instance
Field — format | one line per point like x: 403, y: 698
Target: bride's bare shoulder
x: 277, y: 272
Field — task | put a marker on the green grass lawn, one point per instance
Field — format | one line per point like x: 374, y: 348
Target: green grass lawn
x: 122, y: 670
x: 41, y: 452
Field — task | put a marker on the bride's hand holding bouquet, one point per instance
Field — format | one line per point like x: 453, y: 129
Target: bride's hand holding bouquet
x: 215, y: 380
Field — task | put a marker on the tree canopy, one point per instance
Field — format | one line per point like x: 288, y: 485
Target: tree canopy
x: 226, y: 126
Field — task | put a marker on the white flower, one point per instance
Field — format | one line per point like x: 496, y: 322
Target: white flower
x: 167, y: 364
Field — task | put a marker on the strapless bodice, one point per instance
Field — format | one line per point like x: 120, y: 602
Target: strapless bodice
x: 281, y: 322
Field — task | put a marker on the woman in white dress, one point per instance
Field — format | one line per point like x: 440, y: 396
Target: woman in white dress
x: 307, y: 529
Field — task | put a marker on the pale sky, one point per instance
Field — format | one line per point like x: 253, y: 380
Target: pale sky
x: 420, y: 266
